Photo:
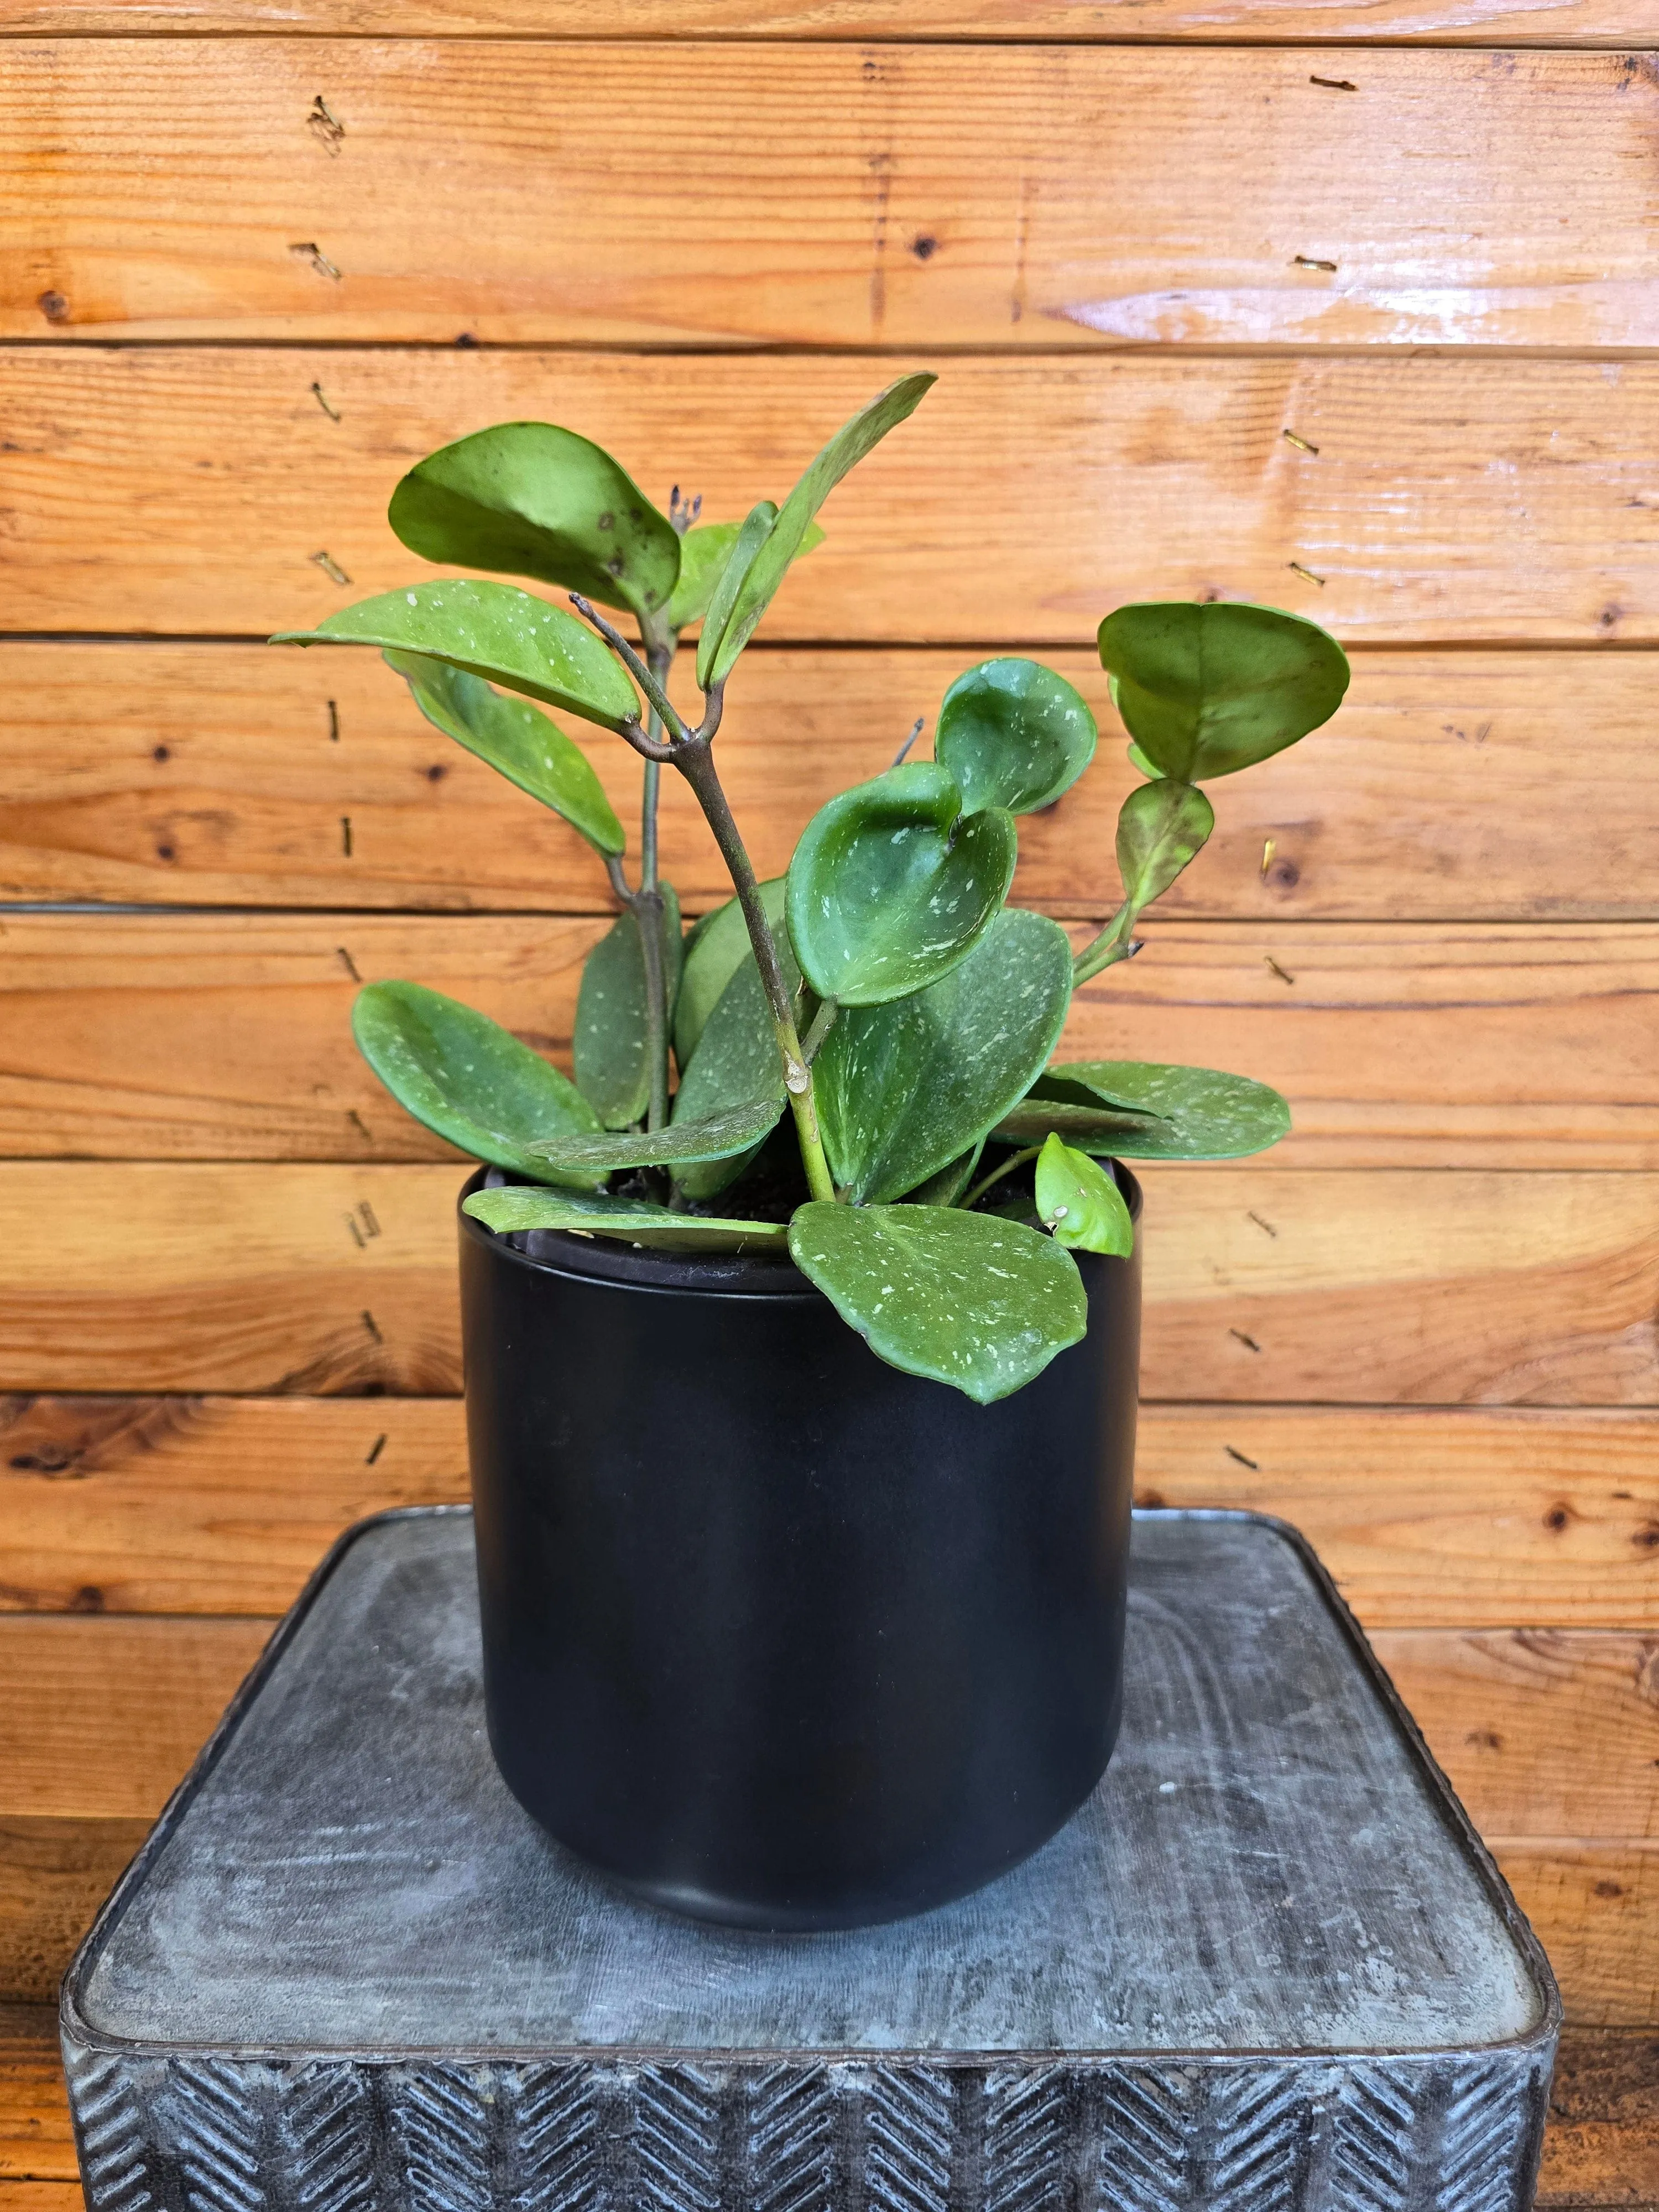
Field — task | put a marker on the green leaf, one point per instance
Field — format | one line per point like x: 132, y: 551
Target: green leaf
x: 703, y: 556
x: 1207, y: 691
x: 1013, y: 734
x: 468, y: 1079
x: 517, y: 740
x: 1161, y: 827
x: 787, y: 537
x: 1096, y: 1129
x: 537, y: 501
x: 946, y: 1188
x: 1080, y: 1205
x: 891, y: 884
x: 714, y: 951
x: 613, y: 1068
x: 716, y: 1137
x: 752, y: 533
x: 632, y: 1220
x: 494, y: 630
x: 737, y: 1059
x: 1204, y: 1115
x: 904, y: 1089
x: 982, y: 1304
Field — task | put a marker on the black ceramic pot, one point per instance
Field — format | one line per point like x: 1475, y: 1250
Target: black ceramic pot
x: 774, y: 1634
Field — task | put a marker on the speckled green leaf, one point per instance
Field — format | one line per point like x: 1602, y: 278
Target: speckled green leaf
x: 1161, y: 827
x: 516, y: 739
x: 1204, y: 1114
x: 703, y: 556
x: 714, y: 951
x: 468, y: 1079
x: 1079, y: 1204
x: 493, y: 630
x: 1013, y: 734
x: 1096, y: 1129
x: 752, y: 533
x: 613, y: 1069
x: 982, y: 1304
x: 1207, y: 691
x: 534, y: 499
x: 715, y: 1137
x: 891, y: 884
x: 787, y: 539
x: 903, y: 1089
x: 737, y: 1059
x: 946, y: 1188
x: 631, y: 1220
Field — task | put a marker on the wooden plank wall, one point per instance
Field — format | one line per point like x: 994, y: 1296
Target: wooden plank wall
x: 1351, y: 305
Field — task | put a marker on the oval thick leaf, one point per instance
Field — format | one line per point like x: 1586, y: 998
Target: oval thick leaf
x: 1207, y: 691
x: 903, y: 1089
x: 716, y: 1137
x: 534, y: 499
x: 494, y: 630
x: 891, y: 886
x: 468, y: 1079
x: 714, y: 951
x: 1096, y: 1129
x: 704, y: 555
x: 1013, y: 734
x: 1204, y: 1113
x: 1079, y: 1204
x: 613, y: 1069
x: 787, y: 537
x: 516, y: 739
x: 982, y: 1304
x: 752, y: 533
x: 737, y: 1059
x: 1161, y: 827
x: 631, y: 1220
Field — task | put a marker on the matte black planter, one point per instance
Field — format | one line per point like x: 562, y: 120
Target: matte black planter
x: 774, y: 1634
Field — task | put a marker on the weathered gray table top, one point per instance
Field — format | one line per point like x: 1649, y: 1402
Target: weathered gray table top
x: 1268, y: 1866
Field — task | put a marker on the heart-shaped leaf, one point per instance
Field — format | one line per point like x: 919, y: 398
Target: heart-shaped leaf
x: 1013, y: 734
x: 1207, y: 691
x: 494, y: 630
x: 1161, y: 827
x: 737, y: 1059
x: 980, y: 1303
x: 468, y: 1079
x: 517, y: 740
x: 715, y: 1137
x: 714, y: 951
x: 613, y: 1067
x: 631, y: 1220
x: 704, y: 556
x: 903, y: 1089
x: 787, y: 535
x: 534, y: 499
x: 891, y: 884
x: 1079, y: 1204
x: 1202, y: 1113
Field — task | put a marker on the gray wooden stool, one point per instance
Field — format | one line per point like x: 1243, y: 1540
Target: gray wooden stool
x: 1267, y: 1966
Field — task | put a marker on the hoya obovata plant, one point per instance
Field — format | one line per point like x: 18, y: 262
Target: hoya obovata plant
x: 883, y: 995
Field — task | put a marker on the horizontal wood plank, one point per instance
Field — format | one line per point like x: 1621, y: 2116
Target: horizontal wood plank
x: 1273, y: 1285
x: 209, y: 1037
x: 1595, y: 1909
x: 1029, y: 195
x: 190, y: 491
x: 37, y: 2142
x: 1540, y: 1731
x: 1426, y: 1519
x: 54, y: 1875
x: 234, y: 774
x: 1445, y: 22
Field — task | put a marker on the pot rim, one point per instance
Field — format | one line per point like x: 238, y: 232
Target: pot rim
x: 706, y: 1275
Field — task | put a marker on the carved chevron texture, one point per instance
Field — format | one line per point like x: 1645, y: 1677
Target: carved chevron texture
x: 908, y: 2127
x: 1481, y: 2143
x: 442, y: 2121
x: 114, y: 2161
x: 1259, y: 2122
x: 1027, y: 2132
x: 791, y: 2147
x: 1373, y: 2126
x: 551, y: 2118
x: 328, y: 2132
x: 214, y: 2115
x: 1144, y: 2122
x: 675, y: 2145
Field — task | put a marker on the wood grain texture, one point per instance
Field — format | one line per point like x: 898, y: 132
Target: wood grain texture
x: 187, y: 491
x: 1595, y: 1909
x: 1426, y: 1519
x: 827, y: 195
x: 1440, y: 22
x: 37, y: 2142
x: 216, y: 775
x: 54, y: 1875
x: 1601, y: 2147
x: 213, y: 1036
x: 1349, y: 1286
x: 1542, y: 1731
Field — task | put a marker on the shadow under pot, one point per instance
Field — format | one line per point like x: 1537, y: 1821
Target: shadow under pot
x: 774, y: 1634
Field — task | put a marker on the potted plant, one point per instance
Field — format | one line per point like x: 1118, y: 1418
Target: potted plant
x: 801, y: 1328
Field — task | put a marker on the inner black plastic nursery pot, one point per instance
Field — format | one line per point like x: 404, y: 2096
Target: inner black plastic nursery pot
x: 774, y: 1634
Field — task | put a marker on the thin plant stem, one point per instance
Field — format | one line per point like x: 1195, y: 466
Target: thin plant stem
x: 649, y: 910
x: 823, y: 1022
x: 1014, y: 1160
x: 1113, y: 943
